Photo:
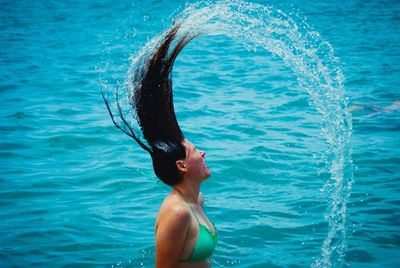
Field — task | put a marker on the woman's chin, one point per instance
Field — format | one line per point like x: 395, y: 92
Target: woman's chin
x: 208, y: 173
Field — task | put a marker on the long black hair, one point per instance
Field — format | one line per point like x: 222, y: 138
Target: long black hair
x: 152, y: 103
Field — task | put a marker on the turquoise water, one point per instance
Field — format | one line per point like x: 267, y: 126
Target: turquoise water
x: 281, y: 142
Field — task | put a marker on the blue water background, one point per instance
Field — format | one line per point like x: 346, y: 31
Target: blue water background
x: 74, y: 191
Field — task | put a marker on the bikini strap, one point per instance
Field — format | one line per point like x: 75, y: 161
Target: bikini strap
x: 187, y: 201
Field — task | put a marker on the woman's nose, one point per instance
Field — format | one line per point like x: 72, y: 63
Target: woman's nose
x: 203, y: 154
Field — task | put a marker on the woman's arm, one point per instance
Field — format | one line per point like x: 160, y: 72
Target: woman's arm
x: 172, y: 227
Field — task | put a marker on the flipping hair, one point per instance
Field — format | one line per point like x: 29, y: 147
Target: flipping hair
x: 152, y: 102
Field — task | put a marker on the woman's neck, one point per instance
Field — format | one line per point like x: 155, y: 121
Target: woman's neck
x: 189, y: 190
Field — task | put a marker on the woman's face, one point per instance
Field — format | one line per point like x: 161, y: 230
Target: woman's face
x: 195, y: 162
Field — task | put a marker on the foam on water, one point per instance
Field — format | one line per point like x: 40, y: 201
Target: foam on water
x: 318, y: 71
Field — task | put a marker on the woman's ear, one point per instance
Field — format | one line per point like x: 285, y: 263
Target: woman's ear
x: 180, y: 164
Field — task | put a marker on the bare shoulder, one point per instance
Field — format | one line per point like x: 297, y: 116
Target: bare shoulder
x: 201, y: 199
x: 174, y: 211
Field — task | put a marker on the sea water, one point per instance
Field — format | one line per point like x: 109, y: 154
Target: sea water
x: 296, y: 104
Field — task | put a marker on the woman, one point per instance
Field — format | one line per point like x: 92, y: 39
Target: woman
x: 185, y: 237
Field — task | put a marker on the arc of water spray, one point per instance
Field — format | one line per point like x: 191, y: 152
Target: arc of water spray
x: 318, y: 71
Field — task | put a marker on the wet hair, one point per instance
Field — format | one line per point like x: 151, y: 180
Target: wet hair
x: 152, y: 103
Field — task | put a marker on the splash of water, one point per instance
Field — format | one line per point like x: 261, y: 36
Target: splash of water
x: 318, y: 71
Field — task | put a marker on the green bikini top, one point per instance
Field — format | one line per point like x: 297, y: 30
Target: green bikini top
x: 206, y: 241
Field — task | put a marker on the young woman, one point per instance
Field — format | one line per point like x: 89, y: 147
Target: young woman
x: 185, y: 237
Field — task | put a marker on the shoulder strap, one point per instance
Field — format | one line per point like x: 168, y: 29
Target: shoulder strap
x: 187, y: 201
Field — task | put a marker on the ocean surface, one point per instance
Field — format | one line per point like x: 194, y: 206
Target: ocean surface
x: 305, y: 170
